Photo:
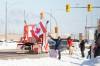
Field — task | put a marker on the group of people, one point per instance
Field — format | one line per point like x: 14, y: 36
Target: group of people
x: 58, y: 45
x: 95, y: 47
x: 70, y: 45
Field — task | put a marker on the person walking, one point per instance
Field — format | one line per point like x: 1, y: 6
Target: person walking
x: 57, y: 45
x: 82, y: 47
x: 70, y: 45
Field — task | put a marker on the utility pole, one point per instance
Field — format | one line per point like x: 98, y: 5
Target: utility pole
x: 50, y: 20
x: 86, y: 32
x: 6, y: 21
x: 24, y: 16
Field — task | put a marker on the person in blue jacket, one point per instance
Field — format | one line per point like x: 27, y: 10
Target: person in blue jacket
x: 57, y: 45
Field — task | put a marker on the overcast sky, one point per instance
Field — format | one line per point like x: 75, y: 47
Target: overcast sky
x: 72, y: 22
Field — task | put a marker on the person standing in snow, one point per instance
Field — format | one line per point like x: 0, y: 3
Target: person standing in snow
x: 97, y: 47
x: 97, y: 40
x: 82, y: 47
x: 70, y: 45
x: 57, y: 45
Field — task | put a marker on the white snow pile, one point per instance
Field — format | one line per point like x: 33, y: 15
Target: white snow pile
x: 97, y: 61
x: 66, y: 60
x: 33, y: 62
x: 8, y: 45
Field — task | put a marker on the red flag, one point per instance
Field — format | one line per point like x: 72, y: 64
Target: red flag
x: 43, y: 27
x: 25, y: 31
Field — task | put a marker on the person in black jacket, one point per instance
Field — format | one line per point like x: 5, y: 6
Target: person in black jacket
x: 82, y: 47
x: 97, y: 46
x: 57, y: 45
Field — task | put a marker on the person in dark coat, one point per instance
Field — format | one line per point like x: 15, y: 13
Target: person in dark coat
x: 57, y: 45
x: 82, y: 47
x: 97, y: 46
x: 97, y: 51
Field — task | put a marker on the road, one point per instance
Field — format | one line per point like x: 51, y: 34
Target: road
x: 11, y: 54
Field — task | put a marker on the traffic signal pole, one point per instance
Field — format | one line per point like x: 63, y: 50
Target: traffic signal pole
x: 89, y: 7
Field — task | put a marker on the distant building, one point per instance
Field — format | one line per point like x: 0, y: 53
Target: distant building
x: 81, y: 36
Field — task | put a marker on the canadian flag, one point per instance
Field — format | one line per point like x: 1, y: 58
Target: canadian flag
x: 38, y: 29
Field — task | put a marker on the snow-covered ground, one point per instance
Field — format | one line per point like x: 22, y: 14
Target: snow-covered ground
x: 66, y: 60
x: 8, y: 45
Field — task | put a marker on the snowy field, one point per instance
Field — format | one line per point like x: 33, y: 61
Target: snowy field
x: 66, y: 60
x: 8, y: 45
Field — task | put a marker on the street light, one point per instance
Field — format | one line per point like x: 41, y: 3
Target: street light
x: 50, y: 14
x: 52, y: 17
x: 56, y: 27
x: 42, y: 16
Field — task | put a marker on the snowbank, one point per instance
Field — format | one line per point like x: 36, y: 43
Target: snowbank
x: 35, y: 62
x: 97, y: 61
x: 8, y: 45
x: 66, y: 60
